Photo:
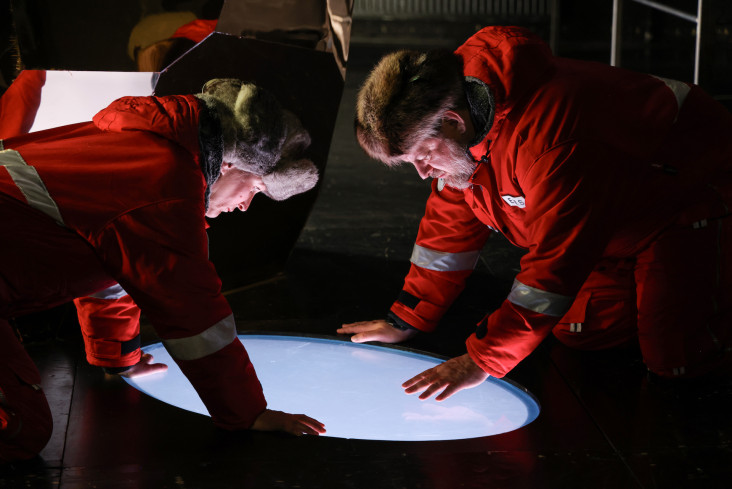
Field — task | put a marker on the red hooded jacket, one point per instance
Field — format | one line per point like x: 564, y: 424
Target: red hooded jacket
x: 580, y: 161
x: 131, y: 185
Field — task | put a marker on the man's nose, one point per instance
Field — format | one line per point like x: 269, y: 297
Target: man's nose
x: 423, y: 168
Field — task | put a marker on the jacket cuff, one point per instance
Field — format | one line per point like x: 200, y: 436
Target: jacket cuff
x: 398, y: 323
x: 411, y: 317
x: 483, y: 361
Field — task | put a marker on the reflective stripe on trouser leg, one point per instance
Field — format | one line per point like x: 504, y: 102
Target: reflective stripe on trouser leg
x: 30, y: 184
x: 205, y: 343
x: 114, y: 292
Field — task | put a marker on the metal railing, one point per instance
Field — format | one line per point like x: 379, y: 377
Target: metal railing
x: 615, y: 44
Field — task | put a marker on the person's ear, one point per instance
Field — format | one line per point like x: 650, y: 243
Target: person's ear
x: 226, y: 167
x: 454, y: 121
x: 261, y: 185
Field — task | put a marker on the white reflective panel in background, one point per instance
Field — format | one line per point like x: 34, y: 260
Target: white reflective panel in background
x: 69, y: 97
x: 356, y: 391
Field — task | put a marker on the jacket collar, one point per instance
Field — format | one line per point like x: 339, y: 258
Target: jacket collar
x: 211, y: 139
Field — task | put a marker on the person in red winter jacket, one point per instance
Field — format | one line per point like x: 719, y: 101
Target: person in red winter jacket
x: 109, y: 319
x: 123, y: 200
x: 609, y: 179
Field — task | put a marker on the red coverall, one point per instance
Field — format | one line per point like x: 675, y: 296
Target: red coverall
x: 617, y: 184
x: 109, y: 319
x: 122, y: 200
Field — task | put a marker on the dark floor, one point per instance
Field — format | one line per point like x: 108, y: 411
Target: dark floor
x: 603, y: 424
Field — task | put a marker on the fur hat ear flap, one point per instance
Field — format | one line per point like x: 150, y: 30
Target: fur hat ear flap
x: 297, y: 140
x: 260, y: 120
x: 252, y: 122
x: 224, y: 89
x: 291, y: 178
x: 262, y: 138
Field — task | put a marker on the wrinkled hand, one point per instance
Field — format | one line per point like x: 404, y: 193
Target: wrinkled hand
x: 378, y: 330
x: 295, y: 424
x: 453, y: 375
x: 144, y: 367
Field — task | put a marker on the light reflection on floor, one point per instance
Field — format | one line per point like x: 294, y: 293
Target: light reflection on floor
x: 356, y: 391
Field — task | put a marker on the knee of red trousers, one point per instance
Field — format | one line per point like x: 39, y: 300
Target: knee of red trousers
x: 30, y: 423
x: 694, y: 337
x: 604, y: 313
x: 704, y: 348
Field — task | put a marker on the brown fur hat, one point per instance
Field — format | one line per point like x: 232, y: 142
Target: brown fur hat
x: 403, y: 99
x: 260, y: 137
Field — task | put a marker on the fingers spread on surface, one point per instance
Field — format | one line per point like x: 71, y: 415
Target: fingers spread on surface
x: 449, y: 391
x: 363, y: 337
x: 413, y: 380
x: 305, y: 425
x: 356, y: 327
x: 431, y: 390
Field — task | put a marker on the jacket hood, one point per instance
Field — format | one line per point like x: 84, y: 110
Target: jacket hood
x: 180, y: 119
x: 512, y: 60
x: 173, y: 117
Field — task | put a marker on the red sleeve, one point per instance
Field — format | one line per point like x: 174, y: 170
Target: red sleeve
x: 19, y: 104
x: 159, y: 255
x: 111, y: 330
x: 227, y: 384
x: 450, y: 232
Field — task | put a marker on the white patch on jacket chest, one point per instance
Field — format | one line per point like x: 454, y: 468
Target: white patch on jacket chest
x: 514, y: 201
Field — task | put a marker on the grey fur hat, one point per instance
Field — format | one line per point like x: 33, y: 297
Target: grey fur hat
x: 260, y: 137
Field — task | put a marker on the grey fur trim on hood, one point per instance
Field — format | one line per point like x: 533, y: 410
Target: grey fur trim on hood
x: 260, y: 137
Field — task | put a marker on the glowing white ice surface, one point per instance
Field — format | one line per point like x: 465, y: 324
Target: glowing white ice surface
x: 69, y: 97
x: 356, y: 391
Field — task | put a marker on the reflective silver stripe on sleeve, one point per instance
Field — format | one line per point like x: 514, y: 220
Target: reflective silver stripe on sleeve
x: 205, y: 343
x: 114, y: 292
x: 444, y: 262
x: 30, y: 184
x: 680, y: 89
x: 538, y: 300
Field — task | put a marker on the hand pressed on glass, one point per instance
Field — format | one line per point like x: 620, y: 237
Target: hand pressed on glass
x: 449, y: 377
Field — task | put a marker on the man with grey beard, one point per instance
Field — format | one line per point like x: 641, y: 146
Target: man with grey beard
x: 608, y: 179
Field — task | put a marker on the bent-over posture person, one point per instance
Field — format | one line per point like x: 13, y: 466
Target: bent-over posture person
x: 617, y: 184
x: 122, y: 201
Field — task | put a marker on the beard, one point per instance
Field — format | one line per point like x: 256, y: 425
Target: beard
x: 462, y: 165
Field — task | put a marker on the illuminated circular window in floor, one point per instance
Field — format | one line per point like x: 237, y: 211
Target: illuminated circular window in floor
x: 355, y: 390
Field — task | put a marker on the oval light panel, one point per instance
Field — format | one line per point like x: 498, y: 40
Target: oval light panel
x: 355, y: 390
